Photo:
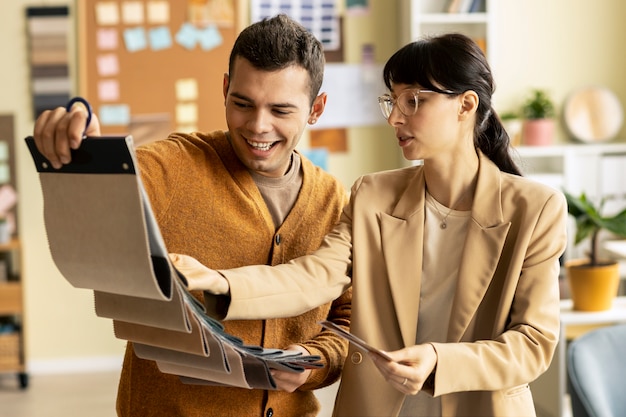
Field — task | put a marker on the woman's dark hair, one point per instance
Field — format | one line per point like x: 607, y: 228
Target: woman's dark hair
x: 455, y: 62
x: 279, y: 42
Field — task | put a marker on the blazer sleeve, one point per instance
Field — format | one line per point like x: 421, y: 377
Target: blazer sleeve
x: 292, y: 288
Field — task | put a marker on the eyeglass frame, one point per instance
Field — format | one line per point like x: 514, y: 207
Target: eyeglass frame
x: 386, y: 98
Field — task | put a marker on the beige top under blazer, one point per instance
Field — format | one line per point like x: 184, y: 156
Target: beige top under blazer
x: 504, y: 324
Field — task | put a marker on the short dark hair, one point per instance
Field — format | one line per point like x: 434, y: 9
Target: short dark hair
x: 279, y: 42
x: 455, y: 62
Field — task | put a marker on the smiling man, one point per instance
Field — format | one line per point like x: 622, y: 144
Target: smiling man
x: 235, y: 198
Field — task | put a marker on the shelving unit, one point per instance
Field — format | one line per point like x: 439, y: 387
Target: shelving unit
x: 12, y: 357
x: 430, y: 17
x: 597, y: 169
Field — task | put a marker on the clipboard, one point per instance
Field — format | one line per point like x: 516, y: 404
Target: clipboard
x: 352, y: 338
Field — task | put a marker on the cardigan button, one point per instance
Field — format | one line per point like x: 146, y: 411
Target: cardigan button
x: 270, y: 412
x: 356, y: 358
x: 277, y: 239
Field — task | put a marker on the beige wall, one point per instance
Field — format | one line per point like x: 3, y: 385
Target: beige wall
x: 560, y: 45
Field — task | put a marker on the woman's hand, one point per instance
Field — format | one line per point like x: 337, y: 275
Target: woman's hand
x: 409, y: 369
x: 198, y: 276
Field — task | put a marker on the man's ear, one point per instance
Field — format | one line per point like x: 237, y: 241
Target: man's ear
x: 468, y: 103
x: 319, y: 104
x: 225, y: 85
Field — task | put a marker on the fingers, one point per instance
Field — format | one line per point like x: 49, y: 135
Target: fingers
x: 198, y: 276
x: 289, y: 381
x: 58, y: 131
x: 402, y: 376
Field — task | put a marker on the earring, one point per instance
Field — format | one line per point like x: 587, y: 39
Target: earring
x: 312, y: 121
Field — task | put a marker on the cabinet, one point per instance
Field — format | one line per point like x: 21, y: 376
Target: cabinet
x: 12, y: 358
x: 431, y: 17
x: 597, y: 169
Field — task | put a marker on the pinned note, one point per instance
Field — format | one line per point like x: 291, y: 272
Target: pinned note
x: 135, y: 39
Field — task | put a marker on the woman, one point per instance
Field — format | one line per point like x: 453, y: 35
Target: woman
x: 453, y: 263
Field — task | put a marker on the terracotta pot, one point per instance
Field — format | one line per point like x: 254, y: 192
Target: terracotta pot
x: 538, y: 132
x: 592, y: 288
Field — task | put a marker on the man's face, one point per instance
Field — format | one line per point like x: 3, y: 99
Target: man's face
x: 266, y: 113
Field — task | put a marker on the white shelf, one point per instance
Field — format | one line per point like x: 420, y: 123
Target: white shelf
x: 596, y: 169
x: 429, y: 17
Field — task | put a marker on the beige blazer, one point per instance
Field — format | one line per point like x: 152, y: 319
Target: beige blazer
x: 505, y: 317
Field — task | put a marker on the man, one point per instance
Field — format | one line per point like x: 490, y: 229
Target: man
x: 235, y: 198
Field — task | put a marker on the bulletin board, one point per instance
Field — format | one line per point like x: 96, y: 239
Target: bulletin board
x: 149, y: 67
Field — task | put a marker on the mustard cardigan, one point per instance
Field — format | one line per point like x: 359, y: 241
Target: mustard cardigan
x: 208, y: 206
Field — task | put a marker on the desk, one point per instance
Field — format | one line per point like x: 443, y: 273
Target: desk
x: 550, y: 388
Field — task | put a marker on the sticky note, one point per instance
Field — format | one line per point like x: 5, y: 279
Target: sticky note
x: 108, y: 90
x: 108, y: 65
x: 160, y: 38
x: 186, y: 89
x: 106, y: 38
x: 135, y: 39
x: 132, y: 13
x: 114, y: 114
x: 107, y: 13
x: 158, y: 12
x: 186, y: 113
x: 187, y: 36
x: 209, y: 37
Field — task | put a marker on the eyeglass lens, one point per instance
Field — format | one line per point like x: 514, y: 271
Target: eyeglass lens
x: 406, y: 102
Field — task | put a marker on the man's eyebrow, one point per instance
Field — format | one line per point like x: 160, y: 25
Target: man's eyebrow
x: 243, y: 97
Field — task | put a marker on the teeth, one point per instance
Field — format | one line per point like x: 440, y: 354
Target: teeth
x: 262, y: 146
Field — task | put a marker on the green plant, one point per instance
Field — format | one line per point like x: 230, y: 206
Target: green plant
x: 538, y: 106
x: 589, y: 222
x: 509, y: 115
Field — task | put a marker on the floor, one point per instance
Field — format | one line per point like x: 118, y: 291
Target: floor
x: 84, y: 394
x: 90, y: 394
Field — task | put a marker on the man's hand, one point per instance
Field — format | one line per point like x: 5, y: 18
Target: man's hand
x: 198, y: 276
x: 58, y: 131
x: 290, y: 381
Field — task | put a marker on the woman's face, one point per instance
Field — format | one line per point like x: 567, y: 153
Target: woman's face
x: 434, y: 130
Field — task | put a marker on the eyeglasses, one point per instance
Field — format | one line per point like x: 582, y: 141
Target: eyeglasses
x: 407, y: 102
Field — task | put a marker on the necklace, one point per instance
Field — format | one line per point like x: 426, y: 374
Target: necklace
x: 444, y: 221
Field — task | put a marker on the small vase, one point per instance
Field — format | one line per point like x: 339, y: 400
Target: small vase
x: 538, y: 132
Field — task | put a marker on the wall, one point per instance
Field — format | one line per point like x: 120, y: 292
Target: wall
x: 560, y: 45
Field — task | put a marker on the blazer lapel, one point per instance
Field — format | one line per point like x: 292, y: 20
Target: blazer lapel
x: 402, y: 246
x: 487, y: 233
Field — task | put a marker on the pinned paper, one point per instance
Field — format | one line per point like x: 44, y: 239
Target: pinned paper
x: 106, y: 38
x: 186, y: 89
x: 118, y: 114
x: 107, y: 13
x: 132, y: 12
x: 108, y: 90
x: 135, y: 39
x: 160, y: 38
x: 187, y: 36
x: 209, y: 37
x: 158, y: 12
x: 108, y: 65
x: 186, y: 113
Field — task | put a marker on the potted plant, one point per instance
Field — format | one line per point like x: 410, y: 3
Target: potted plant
x: 538, y: 112
x: 593, y: 281
x: 512, y: 122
